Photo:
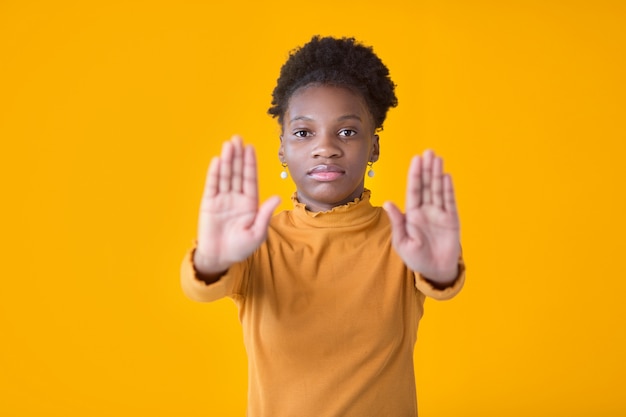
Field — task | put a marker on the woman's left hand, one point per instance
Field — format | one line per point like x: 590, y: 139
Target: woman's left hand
x: 427, y: 236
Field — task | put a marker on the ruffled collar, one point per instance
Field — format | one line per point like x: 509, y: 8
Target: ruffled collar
x: 353, y: 213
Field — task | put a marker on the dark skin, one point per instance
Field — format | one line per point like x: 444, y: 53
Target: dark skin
x: 328, y: 139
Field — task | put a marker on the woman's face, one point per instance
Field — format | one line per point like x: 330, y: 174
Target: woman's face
x: 328, y: 139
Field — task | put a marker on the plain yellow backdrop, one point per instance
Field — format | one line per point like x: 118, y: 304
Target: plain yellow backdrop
x: 111, y: 110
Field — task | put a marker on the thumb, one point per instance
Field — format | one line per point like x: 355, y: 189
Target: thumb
x: 263, y: 216
x: 398, y: 222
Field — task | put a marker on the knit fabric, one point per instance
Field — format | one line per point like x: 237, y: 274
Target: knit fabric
x: 329, y: 314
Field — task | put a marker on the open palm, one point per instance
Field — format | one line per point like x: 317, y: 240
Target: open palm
x: 427, y: 236
x: 231, y: 224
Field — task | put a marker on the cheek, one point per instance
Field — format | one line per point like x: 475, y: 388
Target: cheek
x: 292, y: 162
x: 368, y: 153
x: 296, y: 151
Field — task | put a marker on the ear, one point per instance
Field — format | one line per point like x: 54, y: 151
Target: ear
x: 281, y: 150
x: 375, y: 149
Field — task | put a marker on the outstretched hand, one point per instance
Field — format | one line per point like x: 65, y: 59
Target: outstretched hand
x: 231, y: 224
x: 427, y: 237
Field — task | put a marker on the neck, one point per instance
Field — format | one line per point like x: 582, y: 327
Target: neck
x: 320, y: 206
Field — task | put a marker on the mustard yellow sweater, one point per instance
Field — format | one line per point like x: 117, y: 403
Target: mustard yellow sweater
x: 329, y: 314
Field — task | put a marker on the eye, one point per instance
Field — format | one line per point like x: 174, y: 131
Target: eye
x: 301, y: 133
x: 347, y: 132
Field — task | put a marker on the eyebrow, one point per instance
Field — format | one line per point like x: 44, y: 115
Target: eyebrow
x: 339, y: 119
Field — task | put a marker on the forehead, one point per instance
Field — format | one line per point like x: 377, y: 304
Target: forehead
x: 320, y: 102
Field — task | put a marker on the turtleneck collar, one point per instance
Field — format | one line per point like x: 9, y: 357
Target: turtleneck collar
x: 353, y: 213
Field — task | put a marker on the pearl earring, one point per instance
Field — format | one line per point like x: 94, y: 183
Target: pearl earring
x: 284, y: 173
x: 370, y: 172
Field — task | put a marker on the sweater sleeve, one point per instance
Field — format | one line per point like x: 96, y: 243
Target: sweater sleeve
x: 425, y: 287
x: 198, y: 290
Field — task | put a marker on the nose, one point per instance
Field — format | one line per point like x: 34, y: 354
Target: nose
x: 326, y: 145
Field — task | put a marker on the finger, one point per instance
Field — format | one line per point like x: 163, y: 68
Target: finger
x: 449, y: 200
x: 226, y: 166
x: 398, y: 222
x: 250, y: 184
x: 414, y: 184
x: 437, y: 182
x: 427, y: 167
x: 212, y: 178
x: 237, y: 167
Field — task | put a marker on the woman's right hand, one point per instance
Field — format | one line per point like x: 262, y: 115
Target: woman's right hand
x: 231, y: 224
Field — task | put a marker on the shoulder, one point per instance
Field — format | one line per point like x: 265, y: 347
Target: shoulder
x: 281, y: 218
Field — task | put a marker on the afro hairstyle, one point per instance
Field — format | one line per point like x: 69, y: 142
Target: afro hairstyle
x: 341, y: 62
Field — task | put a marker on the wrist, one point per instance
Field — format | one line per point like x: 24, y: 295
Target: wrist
x: 443, y: 279
x: 205, y: 266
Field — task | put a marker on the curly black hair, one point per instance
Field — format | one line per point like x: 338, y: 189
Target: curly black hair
x: 340, y: 62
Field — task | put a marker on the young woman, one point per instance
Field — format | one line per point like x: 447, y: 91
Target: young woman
x: 329, y: 293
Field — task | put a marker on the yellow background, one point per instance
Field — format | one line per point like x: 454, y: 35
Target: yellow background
x: 111, y: 110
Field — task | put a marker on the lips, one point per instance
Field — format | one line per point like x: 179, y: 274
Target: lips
x: 325, y: 172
